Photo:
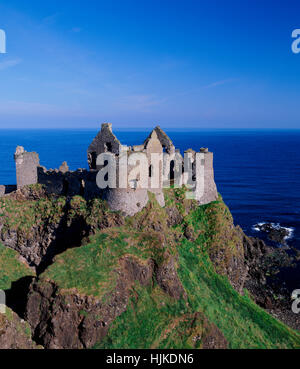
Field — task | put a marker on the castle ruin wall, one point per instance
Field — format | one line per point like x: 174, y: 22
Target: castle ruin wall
x: 128, y: 201
x: 26, y: 167
x: 210, y: 189
x: 133, y: 197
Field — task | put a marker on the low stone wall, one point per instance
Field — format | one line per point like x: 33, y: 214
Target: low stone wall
x: 80, y: 182
x: 6, y: 189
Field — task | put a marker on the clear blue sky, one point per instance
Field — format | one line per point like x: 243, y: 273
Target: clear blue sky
x: 135, y: 63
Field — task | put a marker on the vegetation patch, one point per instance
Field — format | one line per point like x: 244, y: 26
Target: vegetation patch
x: 11, y: 269
x: 243, y: 323
x: 152, y: 318
x: 23, y: 215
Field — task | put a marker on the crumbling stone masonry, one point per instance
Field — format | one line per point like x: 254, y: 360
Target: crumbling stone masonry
x: 131, y: 197
x: 26, y: 167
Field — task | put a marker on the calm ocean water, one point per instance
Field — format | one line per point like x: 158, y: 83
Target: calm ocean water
x: 257, y: 172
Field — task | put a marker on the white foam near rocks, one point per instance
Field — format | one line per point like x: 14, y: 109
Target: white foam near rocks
x: 291, y: 233
x: 290, y: 230
x: 255, y: 227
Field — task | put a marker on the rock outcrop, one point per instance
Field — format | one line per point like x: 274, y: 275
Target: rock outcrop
x: 71, y: 320
x: 39, y: 227
x: 181, y: 270
x: 15, y: 333
x: 274, y: 232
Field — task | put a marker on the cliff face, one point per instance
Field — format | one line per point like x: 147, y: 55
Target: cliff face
x: 68, y: 319
x: 15, y: 333
x: 169, y: 277
x: 38, y: 227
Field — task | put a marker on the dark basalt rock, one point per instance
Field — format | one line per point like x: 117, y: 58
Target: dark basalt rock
x: 264, y: 263
x: 275, y: 232
x: 174, y: 217
x: 15, y: 332
x: 71, y: 320
x: 168, y: 280
x: 47, y: 239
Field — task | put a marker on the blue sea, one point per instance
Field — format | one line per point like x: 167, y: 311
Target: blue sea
x: 257, y: 172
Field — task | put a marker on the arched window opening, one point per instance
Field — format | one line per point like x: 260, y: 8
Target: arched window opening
x: 65, y: 187
x: 82, y: 187
x: 172, y: 170
x: 106, y: 174
x: 94, y: 160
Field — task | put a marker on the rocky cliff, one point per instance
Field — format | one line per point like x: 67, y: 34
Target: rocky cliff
x: 172, y: 277
x: 15, y: 333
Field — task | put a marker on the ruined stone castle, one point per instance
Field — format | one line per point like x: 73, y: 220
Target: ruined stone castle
x: 129, y: 196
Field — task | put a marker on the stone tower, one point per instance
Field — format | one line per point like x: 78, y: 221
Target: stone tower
x: 26, y: 167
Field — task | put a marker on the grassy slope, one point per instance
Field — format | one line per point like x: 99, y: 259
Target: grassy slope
x: 21, y: 326
x: 19, y: 214
x: 153, y: 319
x: 22, y: 215
x: 243, y: 323
x: 15, y: 333
x: 11, y: 269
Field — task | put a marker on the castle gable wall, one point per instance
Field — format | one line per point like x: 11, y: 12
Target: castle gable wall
x: 165, y: 141
x: 105, y: 141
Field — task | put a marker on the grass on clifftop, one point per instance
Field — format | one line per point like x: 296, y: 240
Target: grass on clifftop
x: 23, y: 215
x: 150, y: 314
x: 11, y: 269
x: 153, y: 319
x: 90, y: 269
x: 16, y: 331
x: 243, y: 323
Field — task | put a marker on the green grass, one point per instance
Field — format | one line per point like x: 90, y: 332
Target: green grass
x: 22, y: 215
x: 90, y: 269
x: 11, y: 269
x: 148, y: 314
x: 242, y: 322
x: 152, y: 318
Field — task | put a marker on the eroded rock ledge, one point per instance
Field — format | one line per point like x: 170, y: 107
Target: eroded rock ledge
x: 117, y: 267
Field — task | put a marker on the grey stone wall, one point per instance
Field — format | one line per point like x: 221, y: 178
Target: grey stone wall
x: 165, y: 141
x: 153, y: 145
x: 26, y: 167
x: 69, y: 183
x: 2, y: 191
x: 6, y: 189
x: 128, y: 201
x: 210, y: 188
x: 105, y: 141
